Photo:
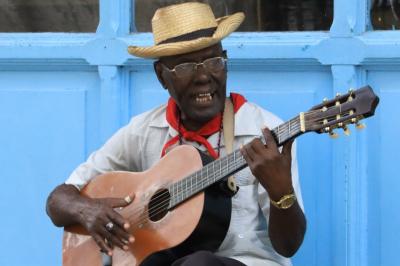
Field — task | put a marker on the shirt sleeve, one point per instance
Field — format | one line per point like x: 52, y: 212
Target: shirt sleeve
x: 111, y: 157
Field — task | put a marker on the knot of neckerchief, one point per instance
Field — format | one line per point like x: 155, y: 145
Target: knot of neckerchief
x: 200, y: 136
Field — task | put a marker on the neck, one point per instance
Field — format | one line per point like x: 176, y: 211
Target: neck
x: 226, y: 166
x: 191, y: 125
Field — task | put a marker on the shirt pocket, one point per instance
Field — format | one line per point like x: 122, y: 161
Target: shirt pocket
x: 245, y: 178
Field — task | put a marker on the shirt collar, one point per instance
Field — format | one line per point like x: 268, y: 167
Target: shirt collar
x: 243, y: 125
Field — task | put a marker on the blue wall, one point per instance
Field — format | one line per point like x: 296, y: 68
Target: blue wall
x: 63, y: 95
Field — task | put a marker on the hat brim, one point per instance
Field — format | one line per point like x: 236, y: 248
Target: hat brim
x: 226, y: 25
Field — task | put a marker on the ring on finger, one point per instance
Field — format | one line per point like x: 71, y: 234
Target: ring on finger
x: 109, y: 226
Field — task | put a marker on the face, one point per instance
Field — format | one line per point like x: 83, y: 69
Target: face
x: 200, y: 96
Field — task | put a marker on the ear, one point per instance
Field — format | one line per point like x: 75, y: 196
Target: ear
x: 158, y: 69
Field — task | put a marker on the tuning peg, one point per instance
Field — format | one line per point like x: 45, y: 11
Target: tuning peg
x: 325, y: 100
x: 346, y: 130
x: 360, y: 126
x: 338, y: 94
x: 333, y: 135
x: 351, y: 90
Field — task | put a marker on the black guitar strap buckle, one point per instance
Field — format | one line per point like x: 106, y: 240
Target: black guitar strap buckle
x: 226, y: 188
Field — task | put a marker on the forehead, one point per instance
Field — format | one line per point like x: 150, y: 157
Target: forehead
x: 196, y: 56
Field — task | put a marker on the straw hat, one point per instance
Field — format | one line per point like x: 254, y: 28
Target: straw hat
x: 184, y: 28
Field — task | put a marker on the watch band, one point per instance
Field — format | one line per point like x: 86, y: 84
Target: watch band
x: 285, y: 202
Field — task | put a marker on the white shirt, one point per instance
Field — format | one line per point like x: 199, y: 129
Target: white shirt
x: 137, y: 146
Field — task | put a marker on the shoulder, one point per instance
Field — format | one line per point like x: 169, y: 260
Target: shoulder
x: 152, y: 118
x: 252, y: 117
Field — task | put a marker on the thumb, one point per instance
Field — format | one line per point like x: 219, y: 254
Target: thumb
x: 287, y: 148
x: 119, y: 202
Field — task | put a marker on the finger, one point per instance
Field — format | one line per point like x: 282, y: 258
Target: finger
x: 100, y: 241
x: 252, y: 149
x: 287, y: 148
x: 119, y: 202
x: 246, y: 155
x: 118, y: 219
x: 249, y: 151
x: 269, y: 139
x: 125, y: 237
x: 257, y: 146
x: 112, y: 239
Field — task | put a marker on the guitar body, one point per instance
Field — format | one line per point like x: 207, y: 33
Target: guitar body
x: 198, y: 223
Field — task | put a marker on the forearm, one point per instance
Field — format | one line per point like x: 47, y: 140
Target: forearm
x: 64, y: 205
x: 286, y: 229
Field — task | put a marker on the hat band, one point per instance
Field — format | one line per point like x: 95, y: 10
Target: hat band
x: 191, y: 35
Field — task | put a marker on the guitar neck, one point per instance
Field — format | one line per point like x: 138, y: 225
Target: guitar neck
x: 228, y: 165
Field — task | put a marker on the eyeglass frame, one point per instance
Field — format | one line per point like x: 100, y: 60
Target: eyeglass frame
x: 223, y: 57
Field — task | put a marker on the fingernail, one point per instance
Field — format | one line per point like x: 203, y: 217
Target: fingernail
x: 128, y: 199
x: 131, y: 239
x: 110, y: 253
x: 126, y: 225
x: 125, y: 247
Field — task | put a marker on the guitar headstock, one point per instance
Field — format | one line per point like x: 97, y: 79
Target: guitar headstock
x: 341, y: 111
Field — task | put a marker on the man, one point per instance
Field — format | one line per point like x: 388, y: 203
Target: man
x: 267, y: 222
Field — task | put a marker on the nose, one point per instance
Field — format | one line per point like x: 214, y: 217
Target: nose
x: 201, y: 74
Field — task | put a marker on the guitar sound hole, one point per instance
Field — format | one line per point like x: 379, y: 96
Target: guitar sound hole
x: 158, y: 206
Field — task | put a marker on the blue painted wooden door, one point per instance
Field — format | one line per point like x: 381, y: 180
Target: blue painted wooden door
x: 63, y: 95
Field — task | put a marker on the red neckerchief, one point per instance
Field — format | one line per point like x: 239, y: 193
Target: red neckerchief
x: 211, y: 127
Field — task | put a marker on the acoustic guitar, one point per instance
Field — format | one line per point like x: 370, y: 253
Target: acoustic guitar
x: 181, y: 205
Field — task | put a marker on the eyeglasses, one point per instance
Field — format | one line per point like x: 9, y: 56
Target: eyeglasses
x: 184, y: 70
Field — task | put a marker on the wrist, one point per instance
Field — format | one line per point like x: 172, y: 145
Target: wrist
x: 285, y: 202
x: 277, y: 192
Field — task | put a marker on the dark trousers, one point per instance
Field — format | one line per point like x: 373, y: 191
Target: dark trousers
x: 199, y: 258
x: 206, y: 258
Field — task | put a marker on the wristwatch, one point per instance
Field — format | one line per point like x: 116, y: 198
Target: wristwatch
x: 285, y: 202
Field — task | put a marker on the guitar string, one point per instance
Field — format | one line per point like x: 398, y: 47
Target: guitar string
x: 282, y: 127
x: 160, y: 207
x: 144, y: 217
x: 286, y: 135
x: 179, y: 184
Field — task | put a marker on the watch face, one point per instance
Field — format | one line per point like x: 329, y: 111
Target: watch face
x: 287, y: 203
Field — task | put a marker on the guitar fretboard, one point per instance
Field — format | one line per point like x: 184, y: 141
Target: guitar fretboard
x: 225, y: 166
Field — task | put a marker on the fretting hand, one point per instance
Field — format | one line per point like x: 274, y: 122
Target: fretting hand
x: 270, y: 166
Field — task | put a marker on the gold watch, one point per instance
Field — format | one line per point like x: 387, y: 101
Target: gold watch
x: 285, y: 202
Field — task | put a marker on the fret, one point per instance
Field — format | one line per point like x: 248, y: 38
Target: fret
x: 171, y: 192
x: 220, y: 167
x: 279, y: 134
x: 225, y: 166
x: 186, y: 188
x: 175, y: 193
x: 181, y: 188
x: 213, y: 168
x: 214, y: 177
x: 191, y: 184
x: 207, y: 170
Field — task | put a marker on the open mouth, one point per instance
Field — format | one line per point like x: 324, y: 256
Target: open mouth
x: 204, y: 97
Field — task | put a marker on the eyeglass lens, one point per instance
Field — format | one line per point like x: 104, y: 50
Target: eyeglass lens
x: 211, y: 64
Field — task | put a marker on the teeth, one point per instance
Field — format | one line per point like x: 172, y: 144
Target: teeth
x: 204, y: 97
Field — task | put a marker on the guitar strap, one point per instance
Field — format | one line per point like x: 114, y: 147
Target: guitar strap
x: 229, y: 126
